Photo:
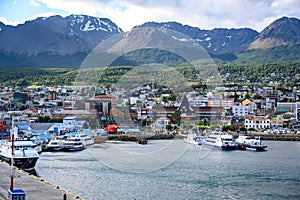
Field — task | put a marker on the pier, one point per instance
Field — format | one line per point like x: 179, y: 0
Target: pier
x: 35, y: 188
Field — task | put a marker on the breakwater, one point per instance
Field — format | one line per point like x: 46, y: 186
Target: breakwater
x: 273, y: 137
x: 134, y: 138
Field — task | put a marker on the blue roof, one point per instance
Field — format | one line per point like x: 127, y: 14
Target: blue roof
x: 71, y: 134
x: 4, y: 134
x: 23, y: 127
x: 101, y: 131
x: 87, y: 131
x: 42, y: 137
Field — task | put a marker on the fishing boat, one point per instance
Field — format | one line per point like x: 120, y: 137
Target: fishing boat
x: 251, y: 143
x: 22, y: 151
x: 220, y: 141
x: 73, y: 144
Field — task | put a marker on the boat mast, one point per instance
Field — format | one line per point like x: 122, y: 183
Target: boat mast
x: 12, y: 162
x: 12, y: 156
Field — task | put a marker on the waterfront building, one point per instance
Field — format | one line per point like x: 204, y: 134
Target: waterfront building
x: 258, y: 123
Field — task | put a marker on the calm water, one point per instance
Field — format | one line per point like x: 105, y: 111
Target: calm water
x: 174, y: 170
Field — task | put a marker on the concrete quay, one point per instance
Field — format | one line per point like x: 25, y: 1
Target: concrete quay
x: 35, y: 188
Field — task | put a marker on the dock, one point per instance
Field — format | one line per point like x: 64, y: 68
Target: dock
x: 35, y: 188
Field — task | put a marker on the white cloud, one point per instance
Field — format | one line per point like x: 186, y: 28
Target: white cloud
x: 7, y: 22
x: 34, y: 3
x: 46, y: 14
x: 205, y: 14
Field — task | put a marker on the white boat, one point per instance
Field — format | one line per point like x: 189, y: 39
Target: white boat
x: 25, y: 155
x: 251, y: 143
x: 73, y: 144
x: 192, y: 139
x: 38, y: 148
x: 220, y: 141
x: 87, y: 139
x: 54, y: 145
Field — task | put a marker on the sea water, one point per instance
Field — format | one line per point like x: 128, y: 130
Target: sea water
x: 175, y: 170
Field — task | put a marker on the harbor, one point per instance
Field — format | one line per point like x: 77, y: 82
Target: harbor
x: 96, y: 172
x: 34, y: 187
x: 153, y: 171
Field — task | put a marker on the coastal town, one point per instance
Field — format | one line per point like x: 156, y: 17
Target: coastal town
x: 149, y: 99
x: 41, y: 110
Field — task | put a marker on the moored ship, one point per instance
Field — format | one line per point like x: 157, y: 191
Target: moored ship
x: 54, y: 145
x: 251, y: 143
x: 24, y: 154
x: 73, y: 144
x: 220, y: 141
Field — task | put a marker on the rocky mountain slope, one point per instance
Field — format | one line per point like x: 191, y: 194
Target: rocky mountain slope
x: 282, y: 32
x: 219, y: 40
x: 66, y: 41
x: 57, y: 35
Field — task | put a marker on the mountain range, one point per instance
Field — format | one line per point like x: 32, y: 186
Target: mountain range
x: 65, y: 41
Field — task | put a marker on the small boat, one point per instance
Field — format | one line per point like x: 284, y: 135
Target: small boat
x: 73, y: 144
x: 192, y: 139
x: 251, y: 143
x: 220, y: 141
x: 142, y: 141
x: 87, y: 139
x: 25, y: 156
x: 54, y: 145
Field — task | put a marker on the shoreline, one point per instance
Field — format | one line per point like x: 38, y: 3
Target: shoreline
x: 271, y: 137
x: 133, y: 138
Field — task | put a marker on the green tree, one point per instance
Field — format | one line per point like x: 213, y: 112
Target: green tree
x: 44, y: 119
x: 228, y: 128
x: 176, y: 117
x: 169, y: 127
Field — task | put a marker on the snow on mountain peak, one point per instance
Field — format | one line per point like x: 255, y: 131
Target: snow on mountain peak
x: 88, y: 26
x: 87, y: 23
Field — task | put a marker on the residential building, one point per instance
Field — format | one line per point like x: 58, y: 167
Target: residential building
x: 258, y: 123
x: 227, y: 103
x: 21, y: 97
x: 239, y: 110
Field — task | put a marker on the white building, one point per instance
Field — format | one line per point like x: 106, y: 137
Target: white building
x: 257, y: 123
x: 239, y: 110
x: 70, y: 121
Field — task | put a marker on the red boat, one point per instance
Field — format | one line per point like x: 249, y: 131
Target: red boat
x: 111, y: 129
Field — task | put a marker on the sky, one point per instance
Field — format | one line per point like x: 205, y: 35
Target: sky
x: 204, y: 14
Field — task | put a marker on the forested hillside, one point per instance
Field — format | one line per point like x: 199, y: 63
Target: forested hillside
x: 280, y: 74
